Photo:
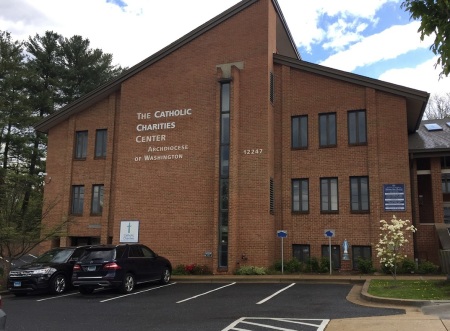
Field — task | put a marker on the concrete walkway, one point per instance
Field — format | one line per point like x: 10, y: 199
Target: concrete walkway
x: 419, y: 315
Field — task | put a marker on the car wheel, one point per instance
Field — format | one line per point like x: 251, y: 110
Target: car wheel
x: 86, y: 289
x: 165, y: 276
x: 127, y: 284
x: 58, y: 284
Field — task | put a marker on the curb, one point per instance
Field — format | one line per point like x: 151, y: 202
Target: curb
x: 394, y: 301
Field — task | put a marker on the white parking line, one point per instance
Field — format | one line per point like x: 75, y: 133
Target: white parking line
x: 134, y: 293
x: 199, y: 295
x: 57, y: 297
x: 276, y: 293
x: 282, y: 324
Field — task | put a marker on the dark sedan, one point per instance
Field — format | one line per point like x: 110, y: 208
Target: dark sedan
x: 52, y: 271
x: 120, y: 267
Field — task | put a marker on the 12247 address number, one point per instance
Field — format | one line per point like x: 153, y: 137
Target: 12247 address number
x: 253, y: 151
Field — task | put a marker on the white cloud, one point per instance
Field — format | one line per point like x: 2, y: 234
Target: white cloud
x: 388, y: 44
x: 303, y: 16
x: 422, y: 77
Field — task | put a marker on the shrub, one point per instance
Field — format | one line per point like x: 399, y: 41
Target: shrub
x: 312, y: 265
x: 365, y: 266
x: 250, y: 270
x: 179, y: 270
x: 427, y: 267
x: 324, y: 265
x: 191, y: 269
x: 407, y: 266
x: 293, y: 266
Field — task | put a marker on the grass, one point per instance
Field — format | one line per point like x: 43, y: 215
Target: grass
x: 410, y: 289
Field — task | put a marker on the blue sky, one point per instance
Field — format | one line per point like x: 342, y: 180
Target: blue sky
x: 374, y: 38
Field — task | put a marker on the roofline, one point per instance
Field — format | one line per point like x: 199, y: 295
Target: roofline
x: 283, y: 21
x: 352, y: 78
x: 404, y: 91
x: 115, y: 84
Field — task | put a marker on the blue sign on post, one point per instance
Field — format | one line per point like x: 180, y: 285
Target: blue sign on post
x: 282, y: 233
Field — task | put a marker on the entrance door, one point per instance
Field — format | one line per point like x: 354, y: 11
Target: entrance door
x: 335, y: 255
x: 447, y: 212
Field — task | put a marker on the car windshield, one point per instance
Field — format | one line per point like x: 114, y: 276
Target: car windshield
x: 101, y: 255
x: 55, y: 256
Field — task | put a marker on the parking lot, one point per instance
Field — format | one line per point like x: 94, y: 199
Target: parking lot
x: 190, y: 306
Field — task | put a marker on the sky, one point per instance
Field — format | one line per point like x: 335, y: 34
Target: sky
x: 374, y: 38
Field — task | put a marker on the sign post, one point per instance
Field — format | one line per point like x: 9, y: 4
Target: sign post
x: 282, y: 234
x: 329, y: 233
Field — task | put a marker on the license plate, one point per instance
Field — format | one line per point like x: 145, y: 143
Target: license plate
x: 17, y: 284
x: 91, y: 268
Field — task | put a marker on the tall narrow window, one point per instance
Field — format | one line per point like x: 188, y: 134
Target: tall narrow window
x: 77, y: 199
x: 81, y: 145
x: 100, y: 143
x: 357, y: 132
x: 272, y: 88
x: 359, y: 194
x: 299, y: 131
x: 446, y: 183
x: 329, y: 195
x: 97, y: 200
x: 327, y: 129
x: 224, y: 173
x: 300, y: 195
x: 445, y: 162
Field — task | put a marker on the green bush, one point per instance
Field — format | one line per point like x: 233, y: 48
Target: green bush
x: 427, y: 267
x: 324, y: 265
x: 408, y: 266
x: 293, y: 266
x: 312, y: 265
x: 250, y: 270
x: 179, y: 270
x: 365, y: 266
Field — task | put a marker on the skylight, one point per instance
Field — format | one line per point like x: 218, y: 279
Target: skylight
x: 433, y: 127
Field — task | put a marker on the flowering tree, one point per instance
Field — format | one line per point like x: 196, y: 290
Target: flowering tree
x: 393, y: 237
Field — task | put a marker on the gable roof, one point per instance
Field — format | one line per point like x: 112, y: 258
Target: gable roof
x: 285, y: 45
x: 416, y: 100
x: 431, y: 141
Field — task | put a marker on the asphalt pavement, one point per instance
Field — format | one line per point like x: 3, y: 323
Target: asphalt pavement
x: 419, y: 315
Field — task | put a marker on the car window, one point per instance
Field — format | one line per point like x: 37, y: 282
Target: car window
x: 120, y: 251
x: 148, y: 252
x: 135, y: 251
x: 102, y: 255
x: 77, y: 253
x: 55, y: 256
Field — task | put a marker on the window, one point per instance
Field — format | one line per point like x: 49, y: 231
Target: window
x: 225, y: 98
x: 301, y: 252
x: 445, y: 183
x: 300, y: 195
x: 329, y: 194
x: 357, y: 133
x: 359, y: 194
x: 327, y: 130
x: 77, y: 199
x: 81, y: 145
x: 100, y: 143
x: 299, y: 131
x: 97, y: 200
x: 445, y: 162
x: 363, y: 252
x: 272, y: 198
x: 272, y: 88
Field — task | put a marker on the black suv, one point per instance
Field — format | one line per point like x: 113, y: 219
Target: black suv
x: 52, y: 271
x: 120, y: 267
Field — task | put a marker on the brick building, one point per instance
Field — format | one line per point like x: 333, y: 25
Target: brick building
x: 206, y: 149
